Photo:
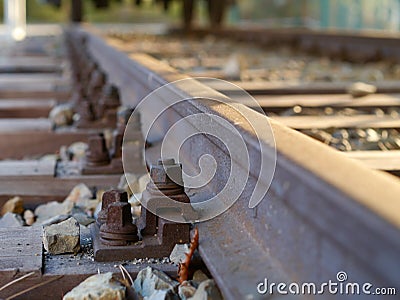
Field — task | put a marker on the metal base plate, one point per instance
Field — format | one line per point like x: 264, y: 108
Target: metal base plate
x: 148, y: 247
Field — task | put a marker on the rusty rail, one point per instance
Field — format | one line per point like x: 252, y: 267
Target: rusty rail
x: 323, y: 213
x: 352, y: 46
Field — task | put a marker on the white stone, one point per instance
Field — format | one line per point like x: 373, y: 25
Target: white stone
x: 49, y: 157
x: 234, y: 67
x: 14, y: 205
x: 83, y: 219
x: 134, y: 200
x: 98, y: 287
x: 207, y: 290
x: 372, y: 135
x: 78, y: 193
x: 163, y: 295
x: 77, y: 150
x: 360, y: 89
x: 97, y: 210
x: 61, y: 115
x: 29, y: 217
x: 54, y: 220
x: 143, y: 181
x: 178, y: 253
x: 52, y: 209
x: 62, y: 237
x: 136, y: 211
x: 199, y: 276
x: 149, y: 280
x: 88, y: 205
x: 129, y: 183
x: 186, y: 290
x: 11, y: 220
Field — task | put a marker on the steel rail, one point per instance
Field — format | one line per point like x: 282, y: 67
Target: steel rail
x: 353, y: 46
x: 323, y: 213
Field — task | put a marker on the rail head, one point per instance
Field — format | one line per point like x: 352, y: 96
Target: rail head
x: 319, y: 215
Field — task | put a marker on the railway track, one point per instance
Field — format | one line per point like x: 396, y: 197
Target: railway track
x: 292, y: 89
x: 320, y: 214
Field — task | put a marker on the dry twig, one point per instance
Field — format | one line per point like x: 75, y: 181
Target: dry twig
x: 183, y: 268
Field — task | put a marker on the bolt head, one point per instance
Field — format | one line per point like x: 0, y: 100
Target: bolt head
x: 113, y: 196
x: 119, y: 214
x: 110, y: 96
x: 97, y: 152
x: 166, y: 171
x: 98, y: 79
x: 97, y: 143
x: 108, y: 198
x: 123, y: 115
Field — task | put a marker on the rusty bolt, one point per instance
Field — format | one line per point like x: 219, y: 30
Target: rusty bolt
x: 78, y: 99
x: 124, y: 114
x: 97, y: 153
x: 108, y: 198
x: 159, y: 193
x: 88, y: 69
x: 96, y: 82
x: 117, y: 141
x: 85, y: 111
x: 166, y: 171
x: 118, y: 229
x: 109, y: 100
x: 98, y: 79
x: 110, y: 96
